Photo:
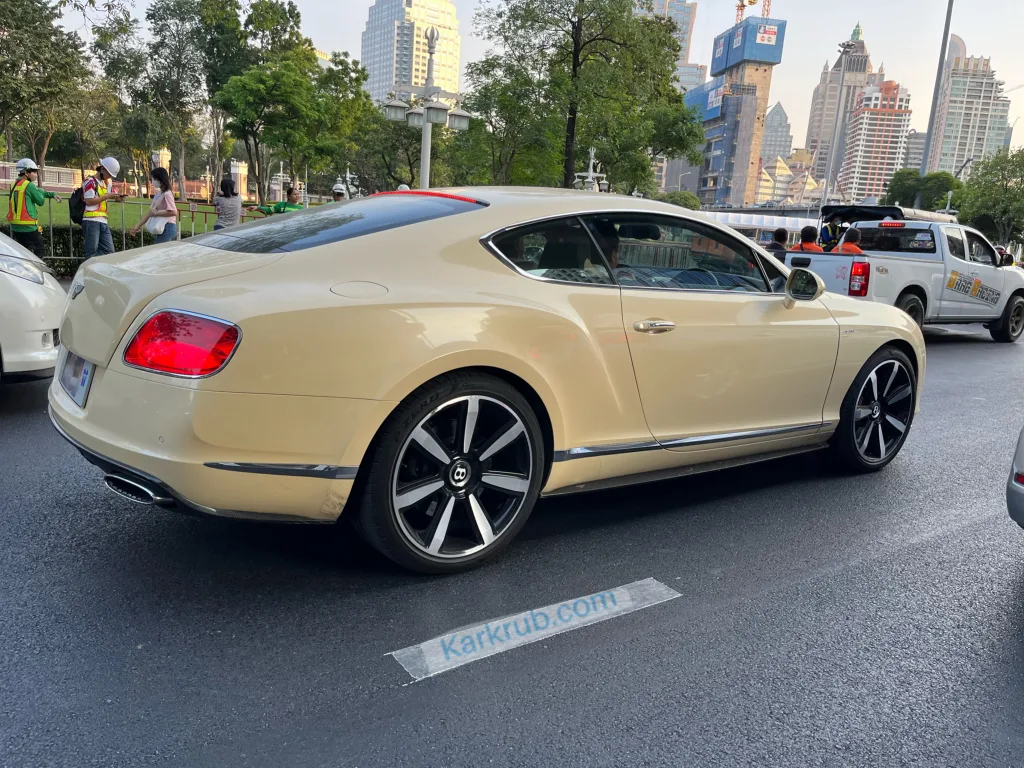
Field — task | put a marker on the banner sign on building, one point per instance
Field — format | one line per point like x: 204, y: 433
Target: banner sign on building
x: 737, y: 39
x: 715, y: 97
x: 720, y: 47
x: 767, y: 34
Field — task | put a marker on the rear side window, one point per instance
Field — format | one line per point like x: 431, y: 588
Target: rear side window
x: 333, y: 223
x: 897, y: 240
x: 559, y: 249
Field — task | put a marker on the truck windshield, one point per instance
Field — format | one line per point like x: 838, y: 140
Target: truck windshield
x: 897, y: 240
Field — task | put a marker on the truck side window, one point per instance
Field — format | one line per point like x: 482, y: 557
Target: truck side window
x: 955, y: 240
x: 981, y: 252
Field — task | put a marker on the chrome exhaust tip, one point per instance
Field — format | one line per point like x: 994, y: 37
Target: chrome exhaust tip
x: 138, y: 491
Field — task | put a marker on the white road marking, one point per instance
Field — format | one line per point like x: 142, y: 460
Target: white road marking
x: 482, y: 640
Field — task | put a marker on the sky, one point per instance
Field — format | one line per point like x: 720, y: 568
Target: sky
x: 905, y: 35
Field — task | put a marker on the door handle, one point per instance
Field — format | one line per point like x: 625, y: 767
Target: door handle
x: 654, y: 326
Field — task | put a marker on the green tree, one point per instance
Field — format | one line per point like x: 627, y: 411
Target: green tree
x: 609, y: 75
x: 993, y: 197
x: 902, y: 187
x: 511, y: 101
x: 30, y: 39
x: 905, y: 185
x: 54, y: 105
x: 177, y: 75
x: 683, y: 198
x: 225, y: 55
x: 261, y: 107
x: 274, y: 28
x: 934, y: 188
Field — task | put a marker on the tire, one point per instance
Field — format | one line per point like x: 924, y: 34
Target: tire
x: 913, y: 306
x: 434, y: 505
x: 855, y: 445
x: 1011, y: 324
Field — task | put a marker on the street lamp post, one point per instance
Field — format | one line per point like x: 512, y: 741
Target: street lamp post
x: 432, y: 112
x: 844, y: 49
x: 679, y: 181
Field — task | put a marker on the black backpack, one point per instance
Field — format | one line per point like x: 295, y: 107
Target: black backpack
x: 76, y: 206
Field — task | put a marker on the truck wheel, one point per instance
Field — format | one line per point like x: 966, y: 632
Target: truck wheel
x: 1011, y: 324
x: 913, y: 306
x: 876, y: 414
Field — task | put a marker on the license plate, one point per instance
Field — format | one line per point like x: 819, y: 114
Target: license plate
x: 76, y: 377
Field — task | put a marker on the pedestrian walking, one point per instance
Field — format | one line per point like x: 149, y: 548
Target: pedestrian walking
x: 228, y: 205
x: 292, y: 202
x: 161, y: 219
x: 21, y: 208
x: 96, y: 191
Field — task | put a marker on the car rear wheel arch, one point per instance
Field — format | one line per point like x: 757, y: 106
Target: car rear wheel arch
x: 917, y: 291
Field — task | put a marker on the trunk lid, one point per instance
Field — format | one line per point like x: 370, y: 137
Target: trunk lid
x: 109, y: 293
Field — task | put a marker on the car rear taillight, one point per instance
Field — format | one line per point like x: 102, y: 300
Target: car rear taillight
x: 860, y: 272
x: 1018, y: 478
x: 182, y: 344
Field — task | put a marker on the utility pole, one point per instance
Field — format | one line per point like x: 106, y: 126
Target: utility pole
x: 935, y: 94
x: 844, y: 48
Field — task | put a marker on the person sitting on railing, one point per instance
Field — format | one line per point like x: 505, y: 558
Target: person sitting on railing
x: 21, y: 210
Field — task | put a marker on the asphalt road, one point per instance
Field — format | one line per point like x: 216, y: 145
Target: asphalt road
x: 823, y: 620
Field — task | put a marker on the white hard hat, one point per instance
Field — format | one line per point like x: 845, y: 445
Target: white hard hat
x: 340, y: 188
x: 110, y: 163
x: 26, y: 164
x: 403, y: 187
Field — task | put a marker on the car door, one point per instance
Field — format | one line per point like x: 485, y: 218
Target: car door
x: 716, y: 353
x: 958, y: 274
x: 984, y: 297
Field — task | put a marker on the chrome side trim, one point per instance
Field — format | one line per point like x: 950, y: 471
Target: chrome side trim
x: 323, y: 471
x: 614, y: 448
x: 684, y: 471
x: 744, y: 435
x: 602, y: 450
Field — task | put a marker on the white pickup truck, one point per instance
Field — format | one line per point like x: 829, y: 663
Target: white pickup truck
x: 935, y: 272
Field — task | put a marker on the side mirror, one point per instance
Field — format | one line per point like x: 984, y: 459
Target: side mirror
x: 803, y: 285
x: 1005, y: 260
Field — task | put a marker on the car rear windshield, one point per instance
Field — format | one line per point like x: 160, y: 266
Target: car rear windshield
x: 335, y: 222
x: 897, y: 239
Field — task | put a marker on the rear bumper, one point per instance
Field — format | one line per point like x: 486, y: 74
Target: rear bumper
x: 170, y: 497
x: 263, y: 457
x: 1015, y: 499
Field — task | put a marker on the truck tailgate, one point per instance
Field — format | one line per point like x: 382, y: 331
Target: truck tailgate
x: 833, y: 268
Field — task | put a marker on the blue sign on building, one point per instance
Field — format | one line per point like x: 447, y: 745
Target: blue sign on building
x: 755, y: 39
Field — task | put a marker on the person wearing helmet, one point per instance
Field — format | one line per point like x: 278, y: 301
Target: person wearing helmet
x: 338, y: 192
x: 403, y: 187
x: 96, y: 191
x: 21, y: 209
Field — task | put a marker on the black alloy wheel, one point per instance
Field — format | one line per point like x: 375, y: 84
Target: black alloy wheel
x: 455, y: 475
x: 877, y: 412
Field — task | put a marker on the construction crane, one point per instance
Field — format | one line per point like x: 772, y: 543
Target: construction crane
x: 741, y: 8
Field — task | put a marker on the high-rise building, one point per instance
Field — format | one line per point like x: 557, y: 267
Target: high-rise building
x: 684, y: 14
x: 876, y: 141
x: 971, y: 120
x: 394, y: 46
x: 827, y: 101
x: 734, y: 104
x: 914, y: 152
x: 778, y: 138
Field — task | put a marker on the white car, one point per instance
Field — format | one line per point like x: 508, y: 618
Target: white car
x: 936, y: 272
x: 31, y: 303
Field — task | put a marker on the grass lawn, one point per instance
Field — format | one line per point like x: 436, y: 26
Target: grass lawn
x: 133, y: 209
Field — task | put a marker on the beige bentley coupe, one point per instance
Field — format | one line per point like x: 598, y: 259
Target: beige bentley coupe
x: 428, y: 364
